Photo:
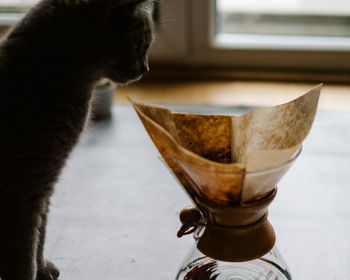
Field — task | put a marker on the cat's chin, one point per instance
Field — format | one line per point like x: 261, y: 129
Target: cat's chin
x: 125, y: 81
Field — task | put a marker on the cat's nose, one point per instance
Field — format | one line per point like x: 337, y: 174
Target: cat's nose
x: 144, y: 67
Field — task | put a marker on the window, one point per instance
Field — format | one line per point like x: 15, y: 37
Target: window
x: 16, y: 5
x: 290, y: 24
x: 11, y: 11
x: 249, y: 34
x: 260, y: 34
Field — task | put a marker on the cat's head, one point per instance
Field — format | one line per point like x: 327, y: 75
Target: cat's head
x: 128, y: 31
x: 102, y: 38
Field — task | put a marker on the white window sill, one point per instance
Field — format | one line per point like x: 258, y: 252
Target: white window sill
x: 280, y: 42
x: 9, y: 19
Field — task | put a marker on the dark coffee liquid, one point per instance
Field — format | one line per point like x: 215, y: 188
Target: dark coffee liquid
x: 202, y: 271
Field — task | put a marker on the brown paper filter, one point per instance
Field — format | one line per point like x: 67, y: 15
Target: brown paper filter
x: 220, y: 157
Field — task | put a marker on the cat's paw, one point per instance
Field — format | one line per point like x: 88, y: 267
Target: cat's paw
x: 50, y: 272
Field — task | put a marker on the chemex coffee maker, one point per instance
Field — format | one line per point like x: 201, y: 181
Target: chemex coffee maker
x: 230, y: 166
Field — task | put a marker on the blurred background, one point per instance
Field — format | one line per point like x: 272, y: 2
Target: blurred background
x: 252, y: 52
x: 118, y: 198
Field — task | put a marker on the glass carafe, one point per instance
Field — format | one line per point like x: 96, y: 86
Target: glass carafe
x: 233, y: 241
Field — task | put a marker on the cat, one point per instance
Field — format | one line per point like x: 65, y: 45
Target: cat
x: 49, y: 64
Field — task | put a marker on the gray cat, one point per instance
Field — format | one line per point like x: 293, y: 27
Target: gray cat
x: 49, y: 65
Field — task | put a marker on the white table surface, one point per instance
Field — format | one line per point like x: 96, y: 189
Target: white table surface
x: 114, y: 214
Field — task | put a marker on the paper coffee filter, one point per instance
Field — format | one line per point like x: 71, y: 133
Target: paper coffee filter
x: 211, y: 139
x: 274, y: 128
x: 200, y: 172
x: 219, y: 156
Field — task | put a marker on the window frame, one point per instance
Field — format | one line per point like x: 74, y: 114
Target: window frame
x: 197, y: 47
x: 172, y: 31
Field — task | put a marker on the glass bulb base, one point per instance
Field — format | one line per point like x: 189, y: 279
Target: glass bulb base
x: 197, y: 266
